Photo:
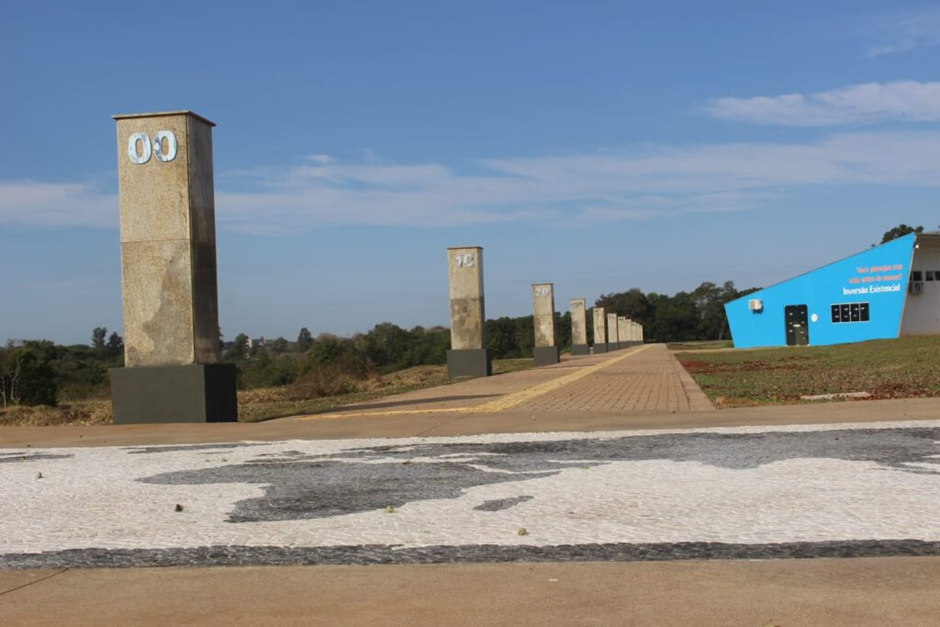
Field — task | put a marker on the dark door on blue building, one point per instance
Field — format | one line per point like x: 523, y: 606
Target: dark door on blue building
x: 797, y: 321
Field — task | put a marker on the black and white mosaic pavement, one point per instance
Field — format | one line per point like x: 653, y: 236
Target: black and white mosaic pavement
x: 726, y: 493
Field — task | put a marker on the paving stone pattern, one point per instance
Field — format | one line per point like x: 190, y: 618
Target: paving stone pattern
x: 650, y: 380
x: 744, y: 492
x: 647, y: 379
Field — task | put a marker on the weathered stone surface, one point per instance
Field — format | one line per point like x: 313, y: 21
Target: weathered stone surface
x: 467, y: 311
x: 578, y: 321
x: 168, y: 243
x: 600, y: 326
x: 543, y: 312
x: 158, y: 304
x: 623, y: 329
x: 613, y: 335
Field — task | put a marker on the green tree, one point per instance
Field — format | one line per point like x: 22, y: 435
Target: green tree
x: 280, y: 345
x: 633, y: 304
x: 26, y: 378
x: 501, y: 338
x: 304, y: 340
x: 239, y: 348
x: 115, y: 345
x: 98, y: 336
x: 900, y: 231
x: 710, y: 302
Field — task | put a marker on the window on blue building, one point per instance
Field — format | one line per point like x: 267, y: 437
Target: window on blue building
x: 850, y: 312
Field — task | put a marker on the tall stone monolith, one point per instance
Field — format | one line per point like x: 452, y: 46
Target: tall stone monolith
x: 168, y: 263
x: 623, y: 331
x: 613, y: 336
x: 579, y: 343
x: 600, y: 331
x: 543, y: 319
x: 468, y: 355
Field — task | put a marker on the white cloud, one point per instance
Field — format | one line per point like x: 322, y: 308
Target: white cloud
x: 909, y: 101
x: 903, y: 33
x: 642, y: 183
x: 28, y: 203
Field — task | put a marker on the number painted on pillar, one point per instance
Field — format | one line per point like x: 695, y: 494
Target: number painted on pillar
x: 465, y: 261
x: 140, y: 147
x: 541, y: 291
x: 158, y: 140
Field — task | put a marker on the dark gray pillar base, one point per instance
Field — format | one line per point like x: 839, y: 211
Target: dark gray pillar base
x: 158, y: 394
x: 580, y: 349
x: 624, y: 345
x: 469, y: 362
x: 600, y: 348
x: 545, y: 355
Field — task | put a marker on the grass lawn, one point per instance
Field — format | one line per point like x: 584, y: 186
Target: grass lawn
x: 262, y: 403
x: 902, y: 368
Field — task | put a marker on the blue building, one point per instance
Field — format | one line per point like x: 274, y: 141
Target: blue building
x: 884, y: 292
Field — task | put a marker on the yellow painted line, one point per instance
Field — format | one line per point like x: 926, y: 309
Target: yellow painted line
x: 501, y: 404
x: 522, y: 396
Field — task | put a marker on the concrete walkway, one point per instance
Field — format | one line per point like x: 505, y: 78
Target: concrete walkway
x: 831, y: 592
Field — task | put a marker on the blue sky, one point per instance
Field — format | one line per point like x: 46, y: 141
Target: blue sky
x: 598, y: 145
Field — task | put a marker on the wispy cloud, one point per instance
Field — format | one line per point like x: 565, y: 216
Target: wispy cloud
x: 37, y: 204
x: 906, y: 32
x: 900, y: 100
x: 641, y: 183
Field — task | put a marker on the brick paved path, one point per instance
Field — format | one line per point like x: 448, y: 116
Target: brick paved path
x: 646, y: 378
x: 651, y: 380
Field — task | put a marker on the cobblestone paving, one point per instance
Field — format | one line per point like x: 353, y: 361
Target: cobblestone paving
x: 745, y: 492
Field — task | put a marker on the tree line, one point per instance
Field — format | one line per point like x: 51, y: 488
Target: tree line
x: 40, y: 372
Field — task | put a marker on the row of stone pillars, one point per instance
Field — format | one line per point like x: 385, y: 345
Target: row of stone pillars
x: 469, y: 356
x: 168, y: 266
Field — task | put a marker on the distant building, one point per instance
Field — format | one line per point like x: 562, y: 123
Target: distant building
x: 887, y: 291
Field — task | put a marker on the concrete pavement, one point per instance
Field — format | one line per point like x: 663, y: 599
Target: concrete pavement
x: 832, y: 592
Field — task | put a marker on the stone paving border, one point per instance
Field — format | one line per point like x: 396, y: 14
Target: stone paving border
x: 463, y: 554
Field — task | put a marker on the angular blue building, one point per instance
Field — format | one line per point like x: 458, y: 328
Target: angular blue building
x: 884, y: 292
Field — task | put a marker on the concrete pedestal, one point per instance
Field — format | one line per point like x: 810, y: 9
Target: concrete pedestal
x: 580, y: 349
x: 600, y: 348
x: 159, y: 394
x: 545, y: 355
x: 625, y: 345
x: 469, y: 362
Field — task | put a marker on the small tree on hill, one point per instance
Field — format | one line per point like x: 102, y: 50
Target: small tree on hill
x: 98, y: 336
x: 304, y: 340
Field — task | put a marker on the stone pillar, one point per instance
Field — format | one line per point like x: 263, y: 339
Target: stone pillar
x: 600, y: 331
x: 543, y: 319
x: 623, y: 332
x: 579, y: 343
x: 171, y: 319
x: 641, y: 334
x: 613, y: 336
x: 468, y: 355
